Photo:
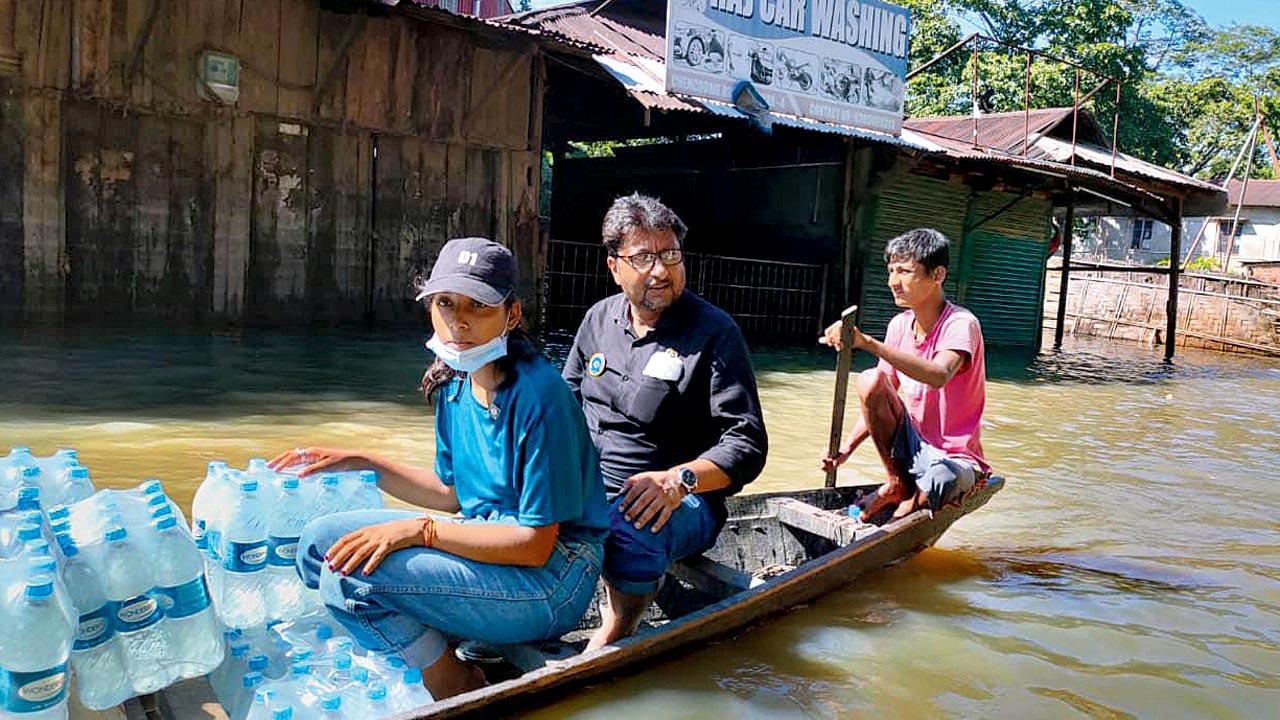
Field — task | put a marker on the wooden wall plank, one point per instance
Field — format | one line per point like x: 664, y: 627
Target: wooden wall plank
x: 455, y: 188
x: 150, y: 236
x: 93, y: 21
x: 12, y: 162
x: 8, y: 20
x: 404, y: 71
x: 188, y: 275
x: 41, y: 36
x: 260, y: 48
x: 299, y: 23
x: 369, y: 73
x: 352, y: 155
x: 330, y: 31
x: 43, y: 216
x: 322, y: 296
x: 481, y: 192
x: 229, y: 150
x: 443, y: 89
x: 278, y: 243
x: 388, y: 222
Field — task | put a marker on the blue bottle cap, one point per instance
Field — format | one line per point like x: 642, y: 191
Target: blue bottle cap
x: 240, y: 648
x: 282, y: 713
x: 61, y: 512
x: 329, y: 480
x: 263, y: 696
x: 258, y: 663
x: 29, y: 472
x: 377, y: 691
x: 61, y: 526
x: 251, y: 679
x: 155, y: 500
x: 166, y: 522
x: 290, y: 482
x: 342, y: 660
x: 324, y: 632
x: 298, y: 654
x: 360, y: 675
x: 79, y: 472
x: 39, y: 587
x: 248, y: 486
x: 28, y: 532
x: 115, y: 533
x: 343, y: 643
x: 413, y: 676
x: 215, y: 466
x: 20, y: 450
x: 69, y: 547
x: 369, y: 476
x: 331, y: 701
x: 232, y: 634
x: 45, y: 564
x: 161, y: 511
x: 300, y: 668
x: 151, y: 487
x: 30, y: 517
x: 68, y: 453
x: 39, y: 546
x: 28, y: 492
x: 395, y: 661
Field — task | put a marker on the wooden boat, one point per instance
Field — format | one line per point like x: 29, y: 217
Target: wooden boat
x: 777, y: 550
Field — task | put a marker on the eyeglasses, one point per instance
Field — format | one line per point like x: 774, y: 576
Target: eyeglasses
x: 643, y: 261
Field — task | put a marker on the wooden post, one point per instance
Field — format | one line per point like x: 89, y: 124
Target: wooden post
x: 1067, y: 233
x: 843, y: 361
x: 1175, y: 269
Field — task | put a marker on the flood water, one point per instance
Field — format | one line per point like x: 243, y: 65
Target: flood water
x: 1131, y: 567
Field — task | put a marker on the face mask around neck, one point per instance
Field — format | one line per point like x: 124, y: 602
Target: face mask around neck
x: 471, y: 359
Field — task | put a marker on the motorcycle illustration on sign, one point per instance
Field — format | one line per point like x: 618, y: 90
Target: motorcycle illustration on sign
x: 841, y: 81
x: 794, y: 70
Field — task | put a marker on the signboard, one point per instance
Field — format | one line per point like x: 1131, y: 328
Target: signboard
x: 842, y: 61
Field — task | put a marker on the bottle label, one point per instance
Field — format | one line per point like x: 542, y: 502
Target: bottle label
x: 137, y: 613
x: 95, y: 628
x: 198, y: 534
x: 284, y: 550
x: 184, y: 600
x: 31, y: 692
x: 245, y: 557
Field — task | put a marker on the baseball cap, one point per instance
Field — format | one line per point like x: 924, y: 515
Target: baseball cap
x: 476, y: 267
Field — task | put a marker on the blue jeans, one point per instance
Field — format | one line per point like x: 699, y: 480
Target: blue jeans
x: 941, y: 477
x: 419, y: 599
x: 635, y: 560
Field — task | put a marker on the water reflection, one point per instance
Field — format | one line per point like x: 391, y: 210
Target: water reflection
x: 1131, y: 568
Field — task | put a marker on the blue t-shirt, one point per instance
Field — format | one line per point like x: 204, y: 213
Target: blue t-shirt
x: 526, y: 459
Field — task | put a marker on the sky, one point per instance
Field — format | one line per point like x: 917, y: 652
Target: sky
x: 1218, y: 12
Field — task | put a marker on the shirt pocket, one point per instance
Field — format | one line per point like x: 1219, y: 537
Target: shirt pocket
x: 649, y: 397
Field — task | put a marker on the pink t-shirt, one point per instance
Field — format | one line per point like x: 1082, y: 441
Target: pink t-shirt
x: 949, y: 418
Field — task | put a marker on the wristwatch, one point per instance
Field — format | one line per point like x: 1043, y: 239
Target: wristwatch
x: 688, y: 480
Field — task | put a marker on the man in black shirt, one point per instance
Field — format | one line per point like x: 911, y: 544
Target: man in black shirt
x: 670, y: 399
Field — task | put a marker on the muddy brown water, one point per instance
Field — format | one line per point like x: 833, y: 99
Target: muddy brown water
x: 1131, y: 567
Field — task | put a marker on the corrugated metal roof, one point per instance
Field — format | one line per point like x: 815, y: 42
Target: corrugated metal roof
x: 1001, y: 131
x: 1261, y: 193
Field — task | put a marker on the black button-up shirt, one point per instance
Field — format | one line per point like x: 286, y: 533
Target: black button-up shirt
x: 641, y: 419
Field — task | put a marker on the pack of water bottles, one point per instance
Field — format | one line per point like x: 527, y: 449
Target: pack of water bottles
x: 109, y: 583
x: 247, y: 523
x: 308, y: 668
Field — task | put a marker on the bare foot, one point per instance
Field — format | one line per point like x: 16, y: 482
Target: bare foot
x: 908, y: 506
x: 450, y: 676
x: 889, y: 492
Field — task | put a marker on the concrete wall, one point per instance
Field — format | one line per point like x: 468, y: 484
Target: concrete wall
x: 357, y: 147
x: 1111, y: 238
x: 1213, y: 312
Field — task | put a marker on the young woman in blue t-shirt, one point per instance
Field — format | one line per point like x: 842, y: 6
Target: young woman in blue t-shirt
x: 519, y: 561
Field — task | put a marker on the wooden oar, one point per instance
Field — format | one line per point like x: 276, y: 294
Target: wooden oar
x: 843, y: 360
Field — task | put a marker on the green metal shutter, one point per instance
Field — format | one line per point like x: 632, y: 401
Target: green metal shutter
x: 1002, y: 281
x: 907, y: 203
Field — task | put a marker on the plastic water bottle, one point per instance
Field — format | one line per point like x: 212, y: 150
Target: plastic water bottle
x: 366, y: 495
x: 330, y: 707
x: 233, y: 666
x: 376, y: 704
x: 297, y: 690
x: 409, y: 693
x: 35, y: 643
x: 244, y: 560
x: 43, y: 563
x: 96, y: 655
x: 75, y: 485
x: 250, y: 683
x: 126, y: 581
x: 263, y: 700
x: 179, y: 579
x: 329, y: 499
x: 284, y: 586
x: 210, y: 498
